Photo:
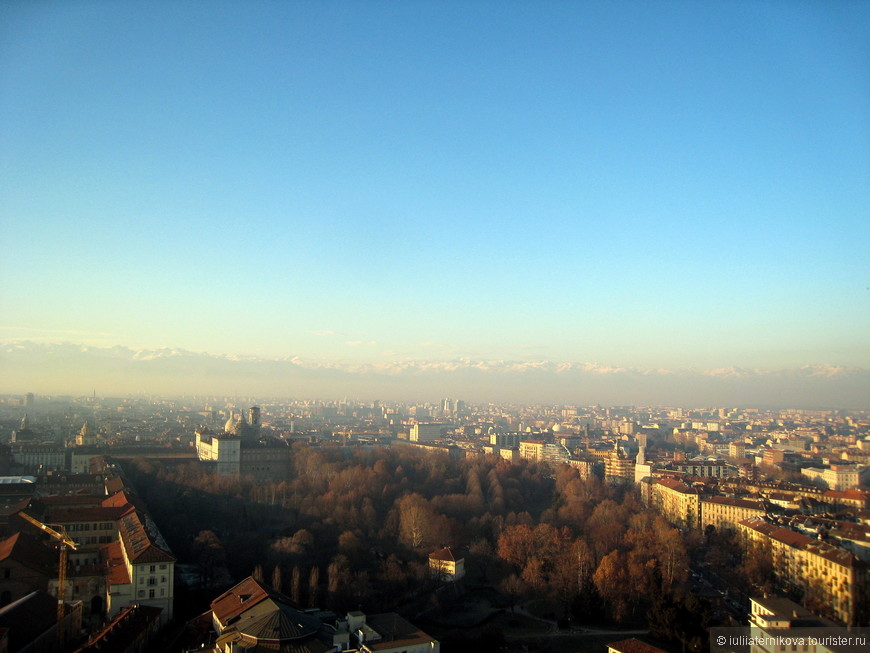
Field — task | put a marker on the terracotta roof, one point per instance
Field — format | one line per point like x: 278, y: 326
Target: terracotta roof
x: 116, y: 568
x: 237, y: 599
x: 67, y: 515
x: 139, y: 540
x: 851, y: 494
x: 834, y: 554
x: 634, y: 645
x: 737, y: 503
x: 69, y: 500
x: 791, y: 538
x: 123, y: 499
x: 800, y: 541
x: 29, y: 552
x: 115, y: 484
x: 443, y: 554
x: 676, y: 485
x: 125, y: 629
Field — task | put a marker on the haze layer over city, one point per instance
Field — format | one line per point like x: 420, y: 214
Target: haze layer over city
x: 619, y: 203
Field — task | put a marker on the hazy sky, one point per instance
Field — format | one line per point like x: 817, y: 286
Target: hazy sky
x: 658, y: 184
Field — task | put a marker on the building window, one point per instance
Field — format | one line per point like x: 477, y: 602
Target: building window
x: 141, y: 594
x: 152, y: 581
x: 163, y: 579
x: 153, y: 569
x: 150, y: 594
x: 162, y: 592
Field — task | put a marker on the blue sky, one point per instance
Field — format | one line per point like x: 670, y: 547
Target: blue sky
x: 666, y: 184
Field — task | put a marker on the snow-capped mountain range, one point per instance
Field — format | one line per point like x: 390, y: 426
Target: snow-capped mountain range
x: 69, y: 368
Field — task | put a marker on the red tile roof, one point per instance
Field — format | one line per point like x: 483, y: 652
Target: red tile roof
x: 804, y: 542
x: 120, y: 635
x: 69, y: 500
x: 237, y: 599
x: 737, y: 503
x: 443, y: 554
x: 120, y: 499
x: 676, y: 485
x: 139, y: 540
x: 68, y: 515
x: 116, y: 569
x: 634, y: 645
x: 114, y: 484
x: 29, y: 552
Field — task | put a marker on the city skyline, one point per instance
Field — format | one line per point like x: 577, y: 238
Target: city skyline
x: 362, y: 186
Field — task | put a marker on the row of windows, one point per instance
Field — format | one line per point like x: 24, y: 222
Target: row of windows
x: 151, y: 593
x: 103, y: 526
x: 93, y: 539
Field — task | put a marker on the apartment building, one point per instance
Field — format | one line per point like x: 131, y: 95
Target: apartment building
x: 676, y: 502
x: 532, y: 450
x: 724, y: 512
x: 827, y: 575
x: 705, y: 468
x: 835, y: 477
x: 141, y: 568
x: 425, y: 432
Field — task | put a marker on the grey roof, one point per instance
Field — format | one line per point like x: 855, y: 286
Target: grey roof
x: 283, y: 622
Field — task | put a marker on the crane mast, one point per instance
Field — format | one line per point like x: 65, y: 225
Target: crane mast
x: 66, y: 543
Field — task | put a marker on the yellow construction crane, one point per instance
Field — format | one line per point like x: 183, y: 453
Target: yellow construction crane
x: 66, y: 542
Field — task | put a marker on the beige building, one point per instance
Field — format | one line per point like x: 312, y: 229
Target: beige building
x: 705, y: 468
x: 737, y: 449
x: 532, y: 450
x: 585, y: 465
x: 223, y: 449
x: 835, y: 477
x: 676, y: 502
x: 505, y: 440
x: 618, y: 466
x: 771, y: 620
x: 724, y: 512
x: 540, y: 451
x: 234, y: 455
x: 445, y: 566
x: 425, y: 432
x: 828, y: 576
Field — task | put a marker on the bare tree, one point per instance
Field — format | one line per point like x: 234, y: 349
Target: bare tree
x: 415, y: 519
x: 276, y: 578
x: 296, y: 586
x: 612, y: 582
x: 314, y: 587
